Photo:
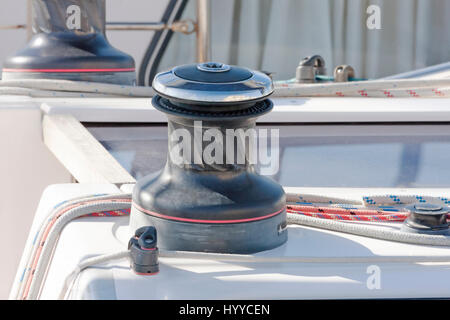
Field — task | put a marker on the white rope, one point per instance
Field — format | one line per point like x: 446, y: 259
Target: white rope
x: 68, y: 88
x: 369, y: 231
x: 54, y: 234
x: 372, y: 88
x: 90, y: 262
x: 30, y: 251
x: 36, y: 93
x: 319, y: 199
x: 437, y: 88
x: 392, y: 199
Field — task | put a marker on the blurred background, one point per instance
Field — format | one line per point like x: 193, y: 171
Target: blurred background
x: 275, y: 35
x: 14, y: 12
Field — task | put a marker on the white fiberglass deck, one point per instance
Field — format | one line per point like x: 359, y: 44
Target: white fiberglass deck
x: 206, y: 279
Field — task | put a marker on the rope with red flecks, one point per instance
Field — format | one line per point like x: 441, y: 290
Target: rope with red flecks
x: 344, y: 214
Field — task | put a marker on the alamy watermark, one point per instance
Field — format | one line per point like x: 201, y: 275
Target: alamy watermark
x: 373, y: 21
x: 220, y: 147
x: 73, y: 21
x: 373, y: 282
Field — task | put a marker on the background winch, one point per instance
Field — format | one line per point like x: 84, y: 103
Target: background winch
x: 69, y: 43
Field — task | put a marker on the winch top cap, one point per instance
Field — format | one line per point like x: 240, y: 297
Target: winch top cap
x: 213, y: 82
x: 212, y: 72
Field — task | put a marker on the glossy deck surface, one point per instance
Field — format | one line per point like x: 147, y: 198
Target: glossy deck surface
x: 207, y: 279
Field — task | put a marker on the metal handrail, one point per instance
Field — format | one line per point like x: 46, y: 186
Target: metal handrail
x: 13, y: 26
x: 186, y: 26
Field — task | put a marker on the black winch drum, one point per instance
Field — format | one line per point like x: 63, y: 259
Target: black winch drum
x: 223, y: 208
x: 69, y: 43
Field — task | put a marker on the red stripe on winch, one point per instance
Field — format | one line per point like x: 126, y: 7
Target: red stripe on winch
x: 205, y: 221
x: 70, y: 70
x: 146, y: 274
